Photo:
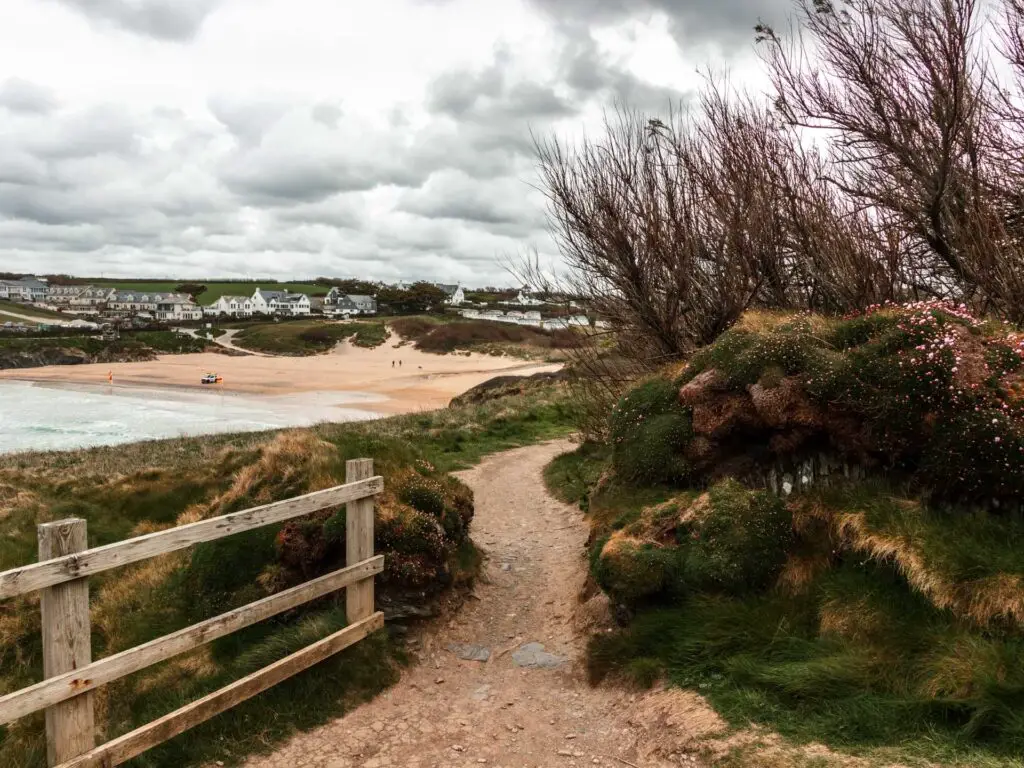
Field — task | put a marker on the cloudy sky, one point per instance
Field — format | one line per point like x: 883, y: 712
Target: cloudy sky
x: 385, y: 139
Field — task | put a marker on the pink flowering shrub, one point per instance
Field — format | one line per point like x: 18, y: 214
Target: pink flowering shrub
x: 925, y: 391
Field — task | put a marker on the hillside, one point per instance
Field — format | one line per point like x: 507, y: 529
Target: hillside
x: 80, y: 349
x: 816, y: 524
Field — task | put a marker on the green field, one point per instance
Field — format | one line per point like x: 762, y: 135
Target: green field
x: 213, y: 290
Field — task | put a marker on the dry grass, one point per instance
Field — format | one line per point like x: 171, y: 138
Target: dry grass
x: 984, y: 600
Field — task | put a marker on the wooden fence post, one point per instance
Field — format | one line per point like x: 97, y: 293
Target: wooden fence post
x: 67, y: 644
x: 359, y: 541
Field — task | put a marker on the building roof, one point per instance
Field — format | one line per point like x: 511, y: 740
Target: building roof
x: 360, y: 299
x: 449, y: 289
x: 235, y: 298
x: 291, y: 298
x: 271, y: 295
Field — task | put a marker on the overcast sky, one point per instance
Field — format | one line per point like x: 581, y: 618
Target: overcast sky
x: 384, y: 139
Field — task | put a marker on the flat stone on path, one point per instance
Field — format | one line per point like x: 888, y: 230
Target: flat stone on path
x: 469, y: 652
x: 533, y: 655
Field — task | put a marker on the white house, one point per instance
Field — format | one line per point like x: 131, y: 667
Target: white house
x: 455, y: 294
x: 176, y: 307
x: 280, y: 303
x: 338, y: 303
x: 232, y: 306
x: 290, y: 304
x: 26, y: 289
x: 91, y: 299
x: 167, y: 307
x: 61, y: 295
x: 524, y: 299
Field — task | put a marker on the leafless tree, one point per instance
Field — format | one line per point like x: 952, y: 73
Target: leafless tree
x: 900, y: 90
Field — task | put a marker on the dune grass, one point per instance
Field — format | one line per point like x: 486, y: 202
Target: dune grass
x: 444, y: 336
x: 309, y: 337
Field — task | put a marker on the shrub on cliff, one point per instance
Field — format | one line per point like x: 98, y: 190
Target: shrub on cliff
x: 649, y: 429
x: 926, y: 391
x: 741, y: 540
x: 731, y: 540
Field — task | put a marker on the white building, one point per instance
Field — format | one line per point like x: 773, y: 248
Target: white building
x: 92, y: 299
x: 455, y: 294
x: 61, y: 295
x: 177, y: 307
x: 348, y: 304
x: 232, y: 306
x: 291, y: 304
x: 167, y: 307
x: 524, y: 299
x: 280, y: 303
x: 29, y: 289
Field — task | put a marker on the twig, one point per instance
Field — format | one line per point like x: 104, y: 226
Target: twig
x: 624, y: 762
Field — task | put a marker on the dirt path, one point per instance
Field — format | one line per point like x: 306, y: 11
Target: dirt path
x: 526, y: 705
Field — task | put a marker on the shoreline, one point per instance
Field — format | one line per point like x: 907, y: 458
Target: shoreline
x: 58, y: 407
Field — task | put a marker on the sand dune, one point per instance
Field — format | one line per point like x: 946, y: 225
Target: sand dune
x: 423, y: 382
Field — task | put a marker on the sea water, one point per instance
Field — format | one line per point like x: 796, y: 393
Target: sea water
x: 48, y: 416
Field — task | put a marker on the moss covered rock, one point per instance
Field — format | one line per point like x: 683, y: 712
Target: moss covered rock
x: 649, y: 431
x: 922, y: 392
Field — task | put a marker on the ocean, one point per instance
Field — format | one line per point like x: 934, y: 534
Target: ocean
x: 47, y: 416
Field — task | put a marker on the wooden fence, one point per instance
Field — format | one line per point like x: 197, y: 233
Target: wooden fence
x: 66, y: 562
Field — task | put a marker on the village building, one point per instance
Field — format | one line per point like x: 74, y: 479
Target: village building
x: 27, y: 289
x: 231, y: 306
x: 348, y: 305
x: 454, y: 293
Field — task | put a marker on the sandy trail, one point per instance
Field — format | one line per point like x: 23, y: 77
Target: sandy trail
x: 422, y: 382
x: 447, y: 711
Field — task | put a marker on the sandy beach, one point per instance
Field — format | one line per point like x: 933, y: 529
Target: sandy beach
x: 423, y: 382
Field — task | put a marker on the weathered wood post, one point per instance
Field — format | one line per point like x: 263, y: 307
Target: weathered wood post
x: 359, y: 541
x: 67, y: 644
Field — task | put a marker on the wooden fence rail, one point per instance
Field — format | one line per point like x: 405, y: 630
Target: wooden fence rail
x: 70, y: 674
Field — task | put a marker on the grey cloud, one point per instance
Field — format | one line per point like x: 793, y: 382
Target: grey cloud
x: 590, y: 75
x: 18, y: 95
x: 99, y: 130
x: 248, y: 119
x: 727, y: 22
x: 454, y: 195
x: 171, y: 20
x: 300, y: 160
x: 327, y: 114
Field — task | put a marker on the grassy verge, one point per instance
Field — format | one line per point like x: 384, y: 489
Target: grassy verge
x: 422, y: 523
x: 42, y: 315
x: 309, y: 337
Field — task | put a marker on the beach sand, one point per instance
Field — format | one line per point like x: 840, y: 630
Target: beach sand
x: 423, y: 382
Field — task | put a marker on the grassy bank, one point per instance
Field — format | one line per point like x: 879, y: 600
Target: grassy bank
x: 422, y: 523
x: 133, y: 345
x: 879, y: 607
x: 444, y: 336
x: 8, y: 309
x: 309, y: 337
